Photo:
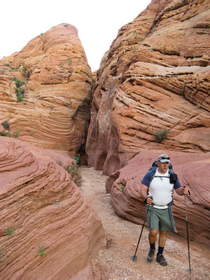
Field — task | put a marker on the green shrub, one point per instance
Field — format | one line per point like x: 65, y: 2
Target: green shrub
x: 20, y: 94
x: 6, y: 125
x: 121, y: 187
x: 18, y: 83
x: 4, y: 133
x: 42, y: 251
x: 161, y: 135
x: 9, y: 231
x: 74, y: 171
x: 10, y: 134
x: 19, y: 89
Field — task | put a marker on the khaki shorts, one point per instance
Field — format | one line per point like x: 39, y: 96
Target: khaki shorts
x: 159, y: 219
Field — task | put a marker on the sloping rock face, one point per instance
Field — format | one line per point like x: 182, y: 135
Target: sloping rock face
x: 45, y: 91
x: 192, y: 170
x: 47, y: 230
x: 152, y: 86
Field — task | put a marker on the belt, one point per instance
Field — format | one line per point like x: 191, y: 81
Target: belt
x: 160, y: 206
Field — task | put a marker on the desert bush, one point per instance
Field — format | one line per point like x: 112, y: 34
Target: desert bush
x: 7, y: 133
x: 42, y: 251
x: 6, y: 125
x: 161, y: 135
x: 74, y: 171
x: 18, y: 83
x: 9, y: 231
x: 121, y: 187
x: 19, y: 89
x: 20, y: 94
x: 4, y: 133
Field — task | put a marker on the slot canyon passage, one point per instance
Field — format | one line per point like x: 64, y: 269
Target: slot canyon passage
x: 60, y: 220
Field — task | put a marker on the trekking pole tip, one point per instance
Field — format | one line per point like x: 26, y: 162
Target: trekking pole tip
x: 134, y: 258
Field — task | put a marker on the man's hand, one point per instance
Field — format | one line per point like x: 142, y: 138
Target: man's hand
x: 186, y: 190
x: 149, y: 200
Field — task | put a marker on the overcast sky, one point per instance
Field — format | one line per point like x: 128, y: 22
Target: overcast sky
x: 97, y: 21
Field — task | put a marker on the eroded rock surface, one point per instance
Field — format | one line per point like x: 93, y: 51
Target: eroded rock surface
x: 192, y: 169
x: 47, y: 230
x: 152, y: 88
x: 45, y: 91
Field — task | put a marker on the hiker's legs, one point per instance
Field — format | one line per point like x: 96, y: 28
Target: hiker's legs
x: 162, y: 241
x: 153, y: 224
x: 152, y: 239
x: 153, y: 236
x: 162, y: 238
x: 159, y: 222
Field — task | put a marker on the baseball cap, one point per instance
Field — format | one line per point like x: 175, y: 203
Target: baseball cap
x: 164, y: 158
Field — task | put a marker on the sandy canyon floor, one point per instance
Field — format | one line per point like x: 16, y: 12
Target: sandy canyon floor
x: 122, y: 237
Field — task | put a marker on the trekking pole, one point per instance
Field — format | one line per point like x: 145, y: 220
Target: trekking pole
x: 134, y: 257
x: 188, y: 238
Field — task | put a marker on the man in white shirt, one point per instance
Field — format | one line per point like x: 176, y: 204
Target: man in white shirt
x: 157, y: 188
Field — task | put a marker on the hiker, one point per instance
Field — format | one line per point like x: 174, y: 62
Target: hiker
x: 157, y: 188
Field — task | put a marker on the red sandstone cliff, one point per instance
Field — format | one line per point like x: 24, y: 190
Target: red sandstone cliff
x: 47, y: 231
x: 45, y: 91
x: 152, y: 86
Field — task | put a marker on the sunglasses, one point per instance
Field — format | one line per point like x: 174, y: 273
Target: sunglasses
x: 168, y: 158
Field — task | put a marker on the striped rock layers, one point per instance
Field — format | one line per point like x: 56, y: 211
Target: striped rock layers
x: 47, y: 231
x: 152, y: 88
x: 45, y: 91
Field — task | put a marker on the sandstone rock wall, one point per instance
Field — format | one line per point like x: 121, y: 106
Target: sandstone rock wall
x: 192, y: 170
x: 152, y: 88
x: 47, y: 231
x: 45, y: 91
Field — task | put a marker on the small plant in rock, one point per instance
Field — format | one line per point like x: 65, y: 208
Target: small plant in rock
x: 5, y: 133
x: 121, y: 187
x: 74, y: 171
x: 9, y: 231
x: 8, y: 133
x: 20, y: 91
x: 18, y: 83
x: 26, y: 72
x: 6, y: 125
x: 42, y: 251
x: 161, y: 135
x: 20, y: 94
